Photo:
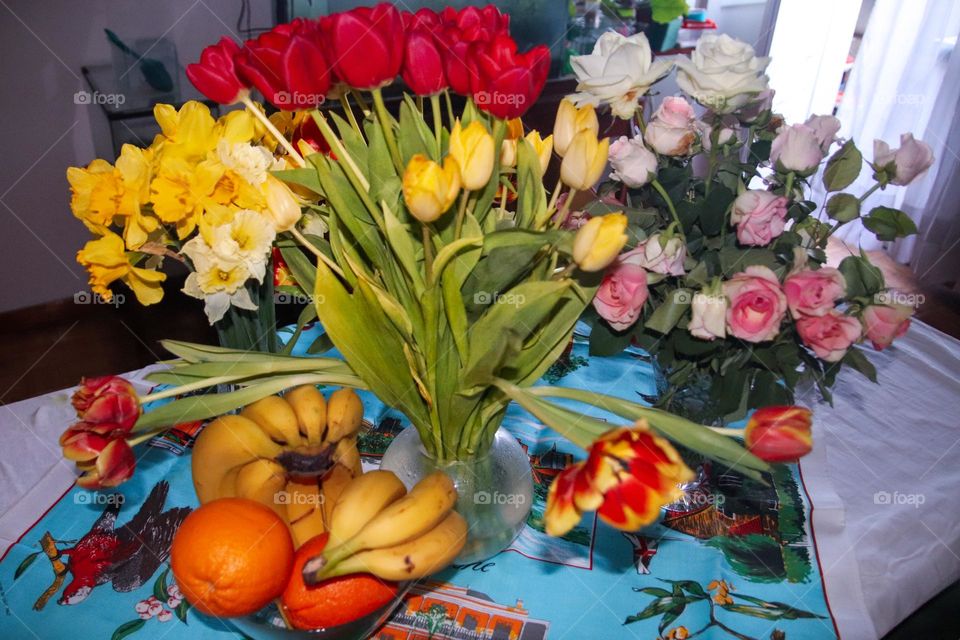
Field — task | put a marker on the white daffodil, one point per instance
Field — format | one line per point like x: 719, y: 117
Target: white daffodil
x: 619, y: 72
x: 219, y: 282
x: 250, y: 162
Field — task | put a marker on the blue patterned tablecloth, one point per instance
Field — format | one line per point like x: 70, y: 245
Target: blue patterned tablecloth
x: 737, y: 561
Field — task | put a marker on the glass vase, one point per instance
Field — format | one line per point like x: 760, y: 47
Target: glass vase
x: 495, y: 488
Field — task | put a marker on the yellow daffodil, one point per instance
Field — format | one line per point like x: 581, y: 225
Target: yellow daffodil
x: 240, y: 126
x: 473, y: 148
x: 107, y: 262
x: 543, y: 147
x: 585, y: 161
x: 189, y: 133
x: 96, y: 192
x: 599, y: 241
x: 180, y: 190
x: 135, y: 166
x: 282, y: 206
x: 571, y: 121
x: 429, y: 189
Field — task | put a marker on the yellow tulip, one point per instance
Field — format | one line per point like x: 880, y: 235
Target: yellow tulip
x: 508, y: 153
x: 282, y: 205
x: 107, y: 262
x: 571, y: 121
x: 599, y: 241
x: 543, y: 147
x: 473, y: 149
x: 429, y: 189
x: 585, y: 161
x: 514, y: 129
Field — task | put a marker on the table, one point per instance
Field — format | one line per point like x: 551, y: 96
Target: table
x: 878, y: 490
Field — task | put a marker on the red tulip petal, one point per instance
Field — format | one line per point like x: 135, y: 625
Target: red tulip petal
x: 82, y: 446
x: 116, y: 463
x: 561, y: 513
x: 306, y: 73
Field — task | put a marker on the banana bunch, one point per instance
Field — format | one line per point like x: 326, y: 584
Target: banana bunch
x: 379, y: 528
x: 294, y: 454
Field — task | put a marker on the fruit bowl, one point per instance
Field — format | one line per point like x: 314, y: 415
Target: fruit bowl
x: 267, y: 624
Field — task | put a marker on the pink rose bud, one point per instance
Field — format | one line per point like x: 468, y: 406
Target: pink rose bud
x: 813, y: 293
x: 661, y: 256
x: 884, y: 323
x: 760, y: 216
x: 675, y: 112
x: 905, y: 164
x: 671, y: 131
x: 728, y: 124
x: 633, y: 164
x: 796, y: 148
x: 709, y: 316
x: 825, y: 128
x: 761, y: 104
x: 829, y: 335
x: 623, y: 291
x: 757, y: 305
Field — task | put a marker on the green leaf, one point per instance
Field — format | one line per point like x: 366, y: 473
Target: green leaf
x: 181, y: 611
x: 302, y: 269
x: 843, y: 207
x: 668, y: 314
x: 531, y: 197
x: 862, y: 278
x: 604, y: 341
x: 713, y: 210
x: 843, y: 167
x: 305, y: 177
x: 410, y: 135
x: 308, y: 314
x: 450, y: 251
x: 25, y: 564
x: 665, y: 11
x: 655, y: 608
x: 160, y: 586
x: 321, y: 345
x: 128, y: 628
x: 401, y: 242
x: 734, y: 260
x: 381, y: 172
x: 855, y: 359
x: 889, y: 224
x: 654, y: 591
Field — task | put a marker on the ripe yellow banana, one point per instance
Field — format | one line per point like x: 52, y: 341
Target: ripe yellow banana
x: 331, y: 487
x: 276, y: 417
x: 361, y: 500
x: 262, y: 481
x: 311, y: 409
x: 344, y: 414
x: 416, y: 558
x: 226, y: 443
x: 304, y: 510
x: 423, y: 508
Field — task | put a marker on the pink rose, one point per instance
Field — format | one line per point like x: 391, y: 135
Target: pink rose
x: 757, y: 305
x: 761, y: 104
x: 829, y: 335
x: 666, y: 258
x: 796, y: 148
x: 913, y: 158
x: 623, y: 292
x: 633, y: 164
x: 671, y: 131
x: 728, y: 124
x: 812, y: 293
x: 759, y: 216
x: 825, y: 128
x: 883, y: 323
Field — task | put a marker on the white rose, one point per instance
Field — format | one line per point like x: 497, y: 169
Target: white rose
x: 825, y: 128
x: 796, y: 148
x: 664, y: 257
x: 909, y: 161
x: 619, y: 72
x: 722, y: 73
x: 708, y: 319
x: 633, y: 164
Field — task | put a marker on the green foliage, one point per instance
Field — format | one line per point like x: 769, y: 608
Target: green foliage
x: 843, y: 167
x: 889, y: 224
x: 668, y: 10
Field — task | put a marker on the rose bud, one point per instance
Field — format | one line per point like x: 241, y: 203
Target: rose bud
x: 825, y: 128
x: 429, y: 189
x: 760, y: 216
x: 599, y: 241
x: 370, y: 45
x: 215, y: 76
x: 757, y: 305
x: 708, y: 315
x: 796, y: 148
x: 571, y: 121
x: 829, y: 335
x: 623, y: 291
x: 813, y: 292
x: 472, y: 148
x: 883, y: 323
x: 901, y: 166
x: 585, y: 161
x: 633, y: 164
x: 779, y: 434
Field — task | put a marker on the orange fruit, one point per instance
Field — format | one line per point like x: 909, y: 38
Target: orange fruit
x: 335, y: 601
x: 231, y: 557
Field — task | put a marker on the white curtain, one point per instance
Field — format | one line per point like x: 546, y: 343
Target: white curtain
x: 907, y: 79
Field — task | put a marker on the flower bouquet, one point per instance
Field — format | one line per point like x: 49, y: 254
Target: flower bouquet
x: 448, y: 280
x: 725, y: 279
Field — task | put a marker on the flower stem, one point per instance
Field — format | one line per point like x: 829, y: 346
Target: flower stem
x: 387, y: 126
x: 561, y: 216
x: 461, y: 214
x: 427, y: 253
x: 870, y: 191
x: 446, y: 96
x: 364, y: 107
x: 347, y: 109
x: 673, y: 211
x: 437, y: 124
x: 788, y: 187
x: 281, y: 139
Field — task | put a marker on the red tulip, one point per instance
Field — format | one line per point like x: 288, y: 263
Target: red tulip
x: 422, y: 19
x: 629, y: 474
x: 113, y: 466
x: 369, y: 43
x: 287, y: 65
x: 507, y: 83
x: 423, y: 64
x: 459, y: 30
x: 215, y: 76
x: 108, y: 404
x: 779, y: 434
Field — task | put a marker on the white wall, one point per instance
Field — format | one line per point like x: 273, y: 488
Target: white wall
x: 42, y: 131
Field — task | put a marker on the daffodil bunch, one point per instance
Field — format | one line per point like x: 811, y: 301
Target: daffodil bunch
x: 202, y: 193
